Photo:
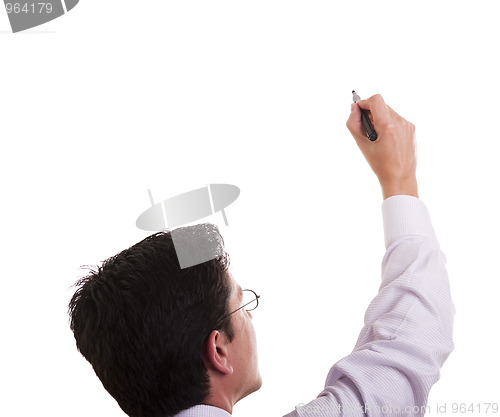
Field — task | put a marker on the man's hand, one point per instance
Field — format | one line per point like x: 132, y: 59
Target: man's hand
x: 392, y: 156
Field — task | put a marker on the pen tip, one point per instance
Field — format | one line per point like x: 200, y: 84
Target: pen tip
x: 353, y: 91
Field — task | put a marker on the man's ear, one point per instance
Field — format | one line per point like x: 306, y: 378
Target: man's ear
x: 216, y: 353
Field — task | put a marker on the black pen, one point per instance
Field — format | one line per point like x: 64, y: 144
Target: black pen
x: 365, y: 119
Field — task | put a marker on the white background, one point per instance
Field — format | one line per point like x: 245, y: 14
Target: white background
x: 118, y: 96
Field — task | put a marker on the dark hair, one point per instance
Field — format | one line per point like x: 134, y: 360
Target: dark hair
x: 142, y: 321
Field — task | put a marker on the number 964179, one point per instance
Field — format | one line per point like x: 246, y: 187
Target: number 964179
x: 28, y: 8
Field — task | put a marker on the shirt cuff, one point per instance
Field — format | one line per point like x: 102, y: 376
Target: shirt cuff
x: 405, y: 215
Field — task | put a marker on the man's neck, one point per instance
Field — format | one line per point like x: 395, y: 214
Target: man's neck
x: 221, y: 401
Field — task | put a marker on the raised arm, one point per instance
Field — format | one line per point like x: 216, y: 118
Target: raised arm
x: 392, y: 156
x: 407, y: 334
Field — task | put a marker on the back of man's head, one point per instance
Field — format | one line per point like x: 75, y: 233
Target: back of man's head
x: 142, y: 321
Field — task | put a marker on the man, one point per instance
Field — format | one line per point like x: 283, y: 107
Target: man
x: 166, y: 341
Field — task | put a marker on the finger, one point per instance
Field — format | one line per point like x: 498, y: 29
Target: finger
x: 354, y: 121
x: 355, y: 125
x: 377, y: 107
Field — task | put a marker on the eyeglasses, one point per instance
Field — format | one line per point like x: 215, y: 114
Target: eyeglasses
x: 250, y: 302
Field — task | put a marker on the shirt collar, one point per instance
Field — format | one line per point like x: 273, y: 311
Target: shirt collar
x: 203, y: 410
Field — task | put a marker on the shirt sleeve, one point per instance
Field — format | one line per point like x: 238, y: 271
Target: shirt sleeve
x: 408, y: 327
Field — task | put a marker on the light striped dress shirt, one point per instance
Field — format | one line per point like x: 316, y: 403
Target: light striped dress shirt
x: 407, y: 334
